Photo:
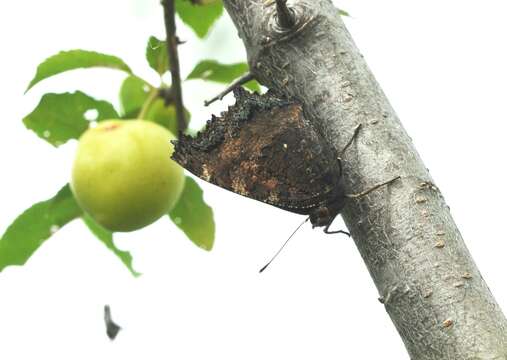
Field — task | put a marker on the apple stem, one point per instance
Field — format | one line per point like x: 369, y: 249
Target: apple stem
x: 153, y: 94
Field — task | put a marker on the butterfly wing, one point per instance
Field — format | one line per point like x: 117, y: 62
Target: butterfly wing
x: 264, y: 148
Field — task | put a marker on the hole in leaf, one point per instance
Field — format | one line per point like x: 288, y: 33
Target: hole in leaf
x: 53, y: 229
x: 46, y: 134
x: 155, y: 45
x: 166, y: 78
x: 207, y: 74
x: 91, y: 115
x: 177, y: 220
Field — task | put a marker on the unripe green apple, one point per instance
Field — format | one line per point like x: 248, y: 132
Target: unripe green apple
x: 123, y: 176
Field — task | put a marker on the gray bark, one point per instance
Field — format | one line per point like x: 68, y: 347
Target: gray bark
x: 427, y: 280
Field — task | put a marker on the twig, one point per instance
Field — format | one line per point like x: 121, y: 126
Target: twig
x: 172, y: 49
x: 285, y: 15
x: 240, y: 81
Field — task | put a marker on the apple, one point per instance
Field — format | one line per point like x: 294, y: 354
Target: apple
x: 123, y: 175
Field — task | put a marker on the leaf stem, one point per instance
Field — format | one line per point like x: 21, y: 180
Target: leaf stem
x: 153, y: 94
x: 172, y: 49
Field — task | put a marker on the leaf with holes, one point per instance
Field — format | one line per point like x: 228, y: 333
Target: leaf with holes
x: 133, y: 93
x: 75, y: 59
x: 34, y: 226
x: 106, y: 237
x: 200, y: 17
x: 61, y: 117
x: 157, y: 56
x: 192, y: 215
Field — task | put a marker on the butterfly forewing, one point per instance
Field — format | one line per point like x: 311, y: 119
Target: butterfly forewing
x: 264, y: 148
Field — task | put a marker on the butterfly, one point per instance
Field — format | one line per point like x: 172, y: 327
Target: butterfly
x: 264, y: 148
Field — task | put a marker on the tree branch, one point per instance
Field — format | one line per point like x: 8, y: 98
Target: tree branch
x: 172, y: 49
x: 396, y: 232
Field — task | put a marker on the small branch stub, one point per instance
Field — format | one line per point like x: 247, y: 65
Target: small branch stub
x: 448, y: 323
x: 167, y: 94
x: 285, y: 15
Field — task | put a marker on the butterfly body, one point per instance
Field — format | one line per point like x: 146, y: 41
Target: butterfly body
x: 264, y: 148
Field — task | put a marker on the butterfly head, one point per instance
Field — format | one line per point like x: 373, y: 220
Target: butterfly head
x: 325, y: 213
x: 322, y: 216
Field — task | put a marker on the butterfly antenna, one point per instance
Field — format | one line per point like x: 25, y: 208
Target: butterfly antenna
x: 285, y: 243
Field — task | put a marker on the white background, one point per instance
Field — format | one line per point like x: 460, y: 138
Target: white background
x: 442, y: 65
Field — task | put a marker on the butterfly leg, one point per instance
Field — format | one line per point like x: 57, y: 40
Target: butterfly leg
x: 246, y: 77
x: 354, y: 135
x: 326, y: 231
x: 373, y: 188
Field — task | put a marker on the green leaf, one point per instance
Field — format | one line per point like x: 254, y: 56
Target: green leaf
x: 200, y: 17
x: 75, y: 59
x: 61, y: 117
x: 29, y: 231
x: 133, y: 93
x: 157, y: 56
x: 192, y: 215
x: 211, y: 70
x: 106, y: 237
x: 253, y: 85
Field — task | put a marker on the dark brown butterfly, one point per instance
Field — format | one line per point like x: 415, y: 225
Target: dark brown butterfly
x: 264, y: 148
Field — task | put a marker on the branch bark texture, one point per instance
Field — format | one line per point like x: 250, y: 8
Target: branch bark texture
x: 174, y: 61
x: 427, y: 280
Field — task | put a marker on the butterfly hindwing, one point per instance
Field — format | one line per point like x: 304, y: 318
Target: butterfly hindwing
x: 263, y: 148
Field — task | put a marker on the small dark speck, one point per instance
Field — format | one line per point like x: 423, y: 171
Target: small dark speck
x: 112, y: 329
x: 467, y: 276
x: 448, y: 323
x: 428, y: 294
